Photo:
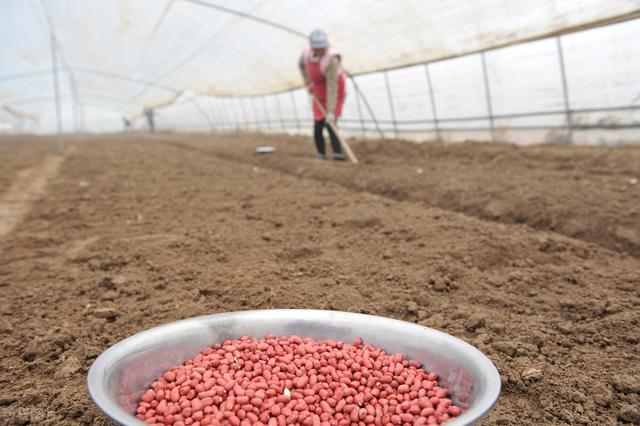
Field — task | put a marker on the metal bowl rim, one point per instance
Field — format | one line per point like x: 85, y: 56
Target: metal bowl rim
x: 484, y: 404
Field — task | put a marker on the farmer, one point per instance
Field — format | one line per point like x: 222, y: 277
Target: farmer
x: 325, y: 81
x: 148, y: 112
x: 126, y: 123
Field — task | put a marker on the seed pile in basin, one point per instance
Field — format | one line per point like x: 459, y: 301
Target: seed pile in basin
x: 289, y: 380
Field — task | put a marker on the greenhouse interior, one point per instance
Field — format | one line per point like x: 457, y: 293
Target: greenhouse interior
x: 279, y: 212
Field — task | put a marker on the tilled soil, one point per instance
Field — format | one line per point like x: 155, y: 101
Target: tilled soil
x: 135, y: 232
x: 20, y: 153
x: 587, y: 193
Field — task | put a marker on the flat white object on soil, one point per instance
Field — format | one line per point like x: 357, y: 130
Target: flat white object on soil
x: 265, y: 149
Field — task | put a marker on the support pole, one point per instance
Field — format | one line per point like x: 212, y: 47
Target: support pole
x: 295, y: 110
x: 282, y: 126
x: 266, y: 112
x: 366, y: 104
x: 255, y: 114
x: 223, y: 114
x: 202, y: 111
x: 390, y: 97
x: 565, y: 92
x: 75, y: 109
x: 488, y: 93
x: 214, y: 119
x: 83, y: 117
x: 232, y: 113
x: 362, y: 128
x: 56, y: 88
x: 432, y: 97
x: 245, y: 122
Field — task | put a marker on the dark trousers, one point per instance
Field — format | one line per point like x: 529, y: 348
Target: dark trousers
x: 318, y: 128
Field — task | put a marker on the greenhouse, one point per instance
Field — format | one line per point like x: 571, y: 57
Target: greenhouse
x: 273, y: 212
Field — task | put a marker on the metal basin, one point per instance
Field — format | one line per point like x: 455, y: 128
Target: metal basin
x: 123, y: 372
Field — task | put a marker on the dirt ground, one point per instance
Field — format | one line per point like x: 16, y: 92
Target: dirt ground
x: 137, y: 231
x: 582, y: 192
x: 19, y: 153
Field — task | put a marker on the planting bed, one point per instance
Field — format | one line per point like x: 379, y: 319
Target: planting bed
x: 136, y: 231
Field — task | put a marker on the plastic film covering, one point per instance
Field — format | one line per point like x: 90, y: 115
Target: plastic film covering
x: 232, y: 64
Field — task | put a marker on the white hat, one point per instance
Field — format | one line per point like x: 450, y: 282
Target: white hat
x: 318, y: 39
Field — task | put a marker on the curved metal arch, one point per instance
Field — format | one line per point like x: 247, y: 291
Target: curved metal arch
x: 52, y: 96
x: 236, y: 13
x: 83, y: 70
x: 47, y: 72
x: 124, y: 77
x: 248, y: 16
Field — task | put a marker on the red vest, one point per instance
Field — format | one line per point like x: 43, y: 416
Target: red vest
x: 316, y: 72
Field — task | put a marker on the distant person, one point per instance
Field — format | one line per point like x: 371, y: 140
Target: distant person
x: 148, y: 112
x: 126, y: 123
x: 325, y: 80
